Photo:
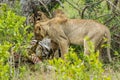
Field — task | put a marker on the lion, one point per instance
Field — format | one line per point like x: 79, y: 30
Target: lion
x: 40, y: 50
x: 39, y: 16
x: 73, y: 31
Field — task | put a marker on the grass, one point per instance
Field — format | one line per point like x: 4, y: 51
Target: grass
x: 40, y: 74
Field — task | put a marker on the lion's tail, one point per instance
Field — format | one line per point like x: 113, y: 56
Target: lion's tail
x: 108, y: 36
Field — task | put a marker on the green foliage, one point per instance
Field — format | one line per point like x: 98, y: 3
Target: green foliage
x: 4, y: 66
x: 13, y: 35
x: 73, y: 68
x: 11, y: 27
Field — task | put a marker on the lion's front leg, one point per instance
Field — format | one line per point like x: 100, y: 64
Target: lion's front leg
x: 63, y: 44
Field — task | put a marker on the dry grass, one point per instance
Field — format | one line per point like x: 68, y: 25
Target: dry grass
x: 40, y: 74
x: 114, y: 74
x: 37, y: 75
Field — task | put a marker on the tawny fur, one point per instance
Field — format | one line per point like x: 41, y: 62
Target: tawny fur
x: 73, y: 31
x: 40, y: 16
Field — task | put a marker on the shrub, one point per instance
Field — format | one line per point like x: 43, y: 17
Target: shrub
x: 13, y: 35
x: 4, y: 66
x: 74, y: 68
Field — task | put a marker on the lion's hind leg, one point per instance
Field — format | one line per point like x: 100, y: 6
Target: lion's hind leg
x: 90, y: 45
x: 86, y: 47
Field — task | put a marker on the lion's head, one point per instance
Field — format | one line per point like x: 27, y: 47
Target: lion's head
x: 40, y: 31
x: 39, y: 16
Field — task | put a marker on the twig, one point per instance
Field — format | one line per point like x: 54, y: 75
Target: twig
x: 114, y: 27
x: 10, y: 64
x: 84, y: 9
x: 110, y: 19
x: 117, y: 35
x: 60, y: 3
x: 114, y: 5
x: 116, y: 41
x: 46, y: 8
x: 102, y: 16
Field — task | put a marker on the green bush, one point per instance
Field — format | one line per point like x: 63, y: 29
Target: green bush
x: 4, y: 66
x: 74, y: 68
x: 13, y: 35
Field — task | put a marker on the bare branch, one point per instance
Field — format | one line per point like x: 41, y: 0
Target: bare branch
x: 114, y: 5
x: 87, y: 6
x: 110, y: 19
x: 117, y: 35
x: 103, y: 16
x: 60, y: 3
x: 45, y: 8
